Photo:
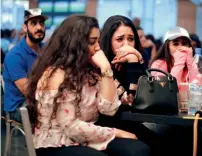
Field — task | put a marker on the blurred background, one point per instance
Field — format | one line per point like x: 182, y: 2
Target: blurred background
x: 154, y: 16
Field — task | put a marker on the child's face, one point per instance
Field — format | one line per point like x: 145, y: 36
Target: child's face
x: 177, y: 43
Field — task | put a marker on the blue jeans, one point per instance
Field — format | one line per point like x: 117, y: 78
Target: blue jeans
x: 15, y: 115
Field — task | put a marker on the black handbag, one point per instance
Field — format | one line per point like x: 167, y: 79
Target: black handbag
x: 156, y: 94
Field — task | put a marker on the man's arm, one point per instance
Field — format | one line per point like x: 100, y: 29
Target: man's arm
x: 16, y: 67
x: 22, y: 85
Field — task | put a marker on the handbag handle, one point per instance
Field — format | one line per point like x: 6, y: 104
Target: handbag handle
x: 150, y: 78
x: 148, y: 71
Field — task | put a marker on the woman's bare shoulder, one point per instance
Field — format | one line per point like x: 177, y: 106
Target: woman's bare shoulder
x: 51, y: 79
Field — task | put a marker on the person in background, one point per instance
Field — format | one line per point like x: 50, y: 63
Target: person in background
x: 176, y: 54
x: 19, y: 35
x: 121, y: 44
x: 18, y: 62
x: 70, y: 85
x: 176, y: 57
x: 195, y: 42
x: 137, y: 22
x: 148, y: 45
x: 157, y: 42
x: 13, y: 35
x: 4, y: 41
x: 7, y: 34
x: 151, y: 37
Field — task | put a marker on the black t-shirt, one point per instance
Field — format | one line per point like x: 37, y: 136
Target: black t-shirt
x: 129, y: 73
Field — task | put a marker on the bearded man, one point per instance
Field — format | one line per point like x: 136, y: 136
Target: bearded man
x: 19, y: 60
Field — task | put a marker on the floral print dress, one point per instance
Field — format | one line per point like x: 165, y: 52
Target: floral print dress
x: 68, y: 129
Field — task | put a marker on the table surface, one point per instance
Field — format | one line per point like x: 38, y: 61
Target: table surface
x: 179, y: 119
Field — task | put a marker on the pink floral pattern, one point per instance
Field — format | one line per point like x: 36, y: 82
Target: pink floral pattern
x: 68, y: 129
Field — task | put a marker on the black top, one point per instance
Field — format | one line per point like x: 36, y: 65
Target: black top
x: 129, y: 73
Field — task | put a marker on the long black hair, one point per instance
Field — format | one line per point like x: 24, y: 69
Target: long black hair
x: 109, y: 28
x: 68, y: 50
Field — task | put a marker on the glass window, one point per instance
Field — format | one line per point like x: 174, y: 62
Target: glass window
x: 12, y: 13
x: 61, y: 7
x: 46, y: 6
x: 107, y: 8
x: 77, y: 7
x: 157, y: 16
x: 58, y: 19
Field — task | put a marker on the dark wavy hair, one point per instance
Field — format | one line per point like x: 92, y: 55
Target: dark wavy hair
x: 67, y: 49
x: 108, y: 30
x: 164, y: 54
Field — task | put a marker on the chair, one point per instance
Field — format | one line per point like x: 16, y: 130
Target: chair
x: 28, y: 131
x: 11, y: 126
x: 2, y: 81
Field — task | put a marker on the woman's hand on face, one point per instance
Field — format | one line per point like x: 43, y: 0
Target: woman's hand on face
x: 187, y: 50
x: 124, y: 134
x: 127, y: 54
x: 181, y: 53
x: 126, y: 58
x: 100, y: 60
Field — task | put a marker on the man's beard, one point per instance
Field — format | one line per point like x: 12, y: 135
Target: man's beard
x: 33, y: 39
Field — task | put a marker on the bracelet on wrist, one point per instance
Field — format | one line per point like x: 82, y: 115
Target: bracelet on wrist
x: 107, y: 73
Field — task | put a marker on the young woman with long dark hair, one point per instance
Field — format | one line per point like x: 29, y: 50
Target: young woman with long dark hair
x: 70, y: 85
